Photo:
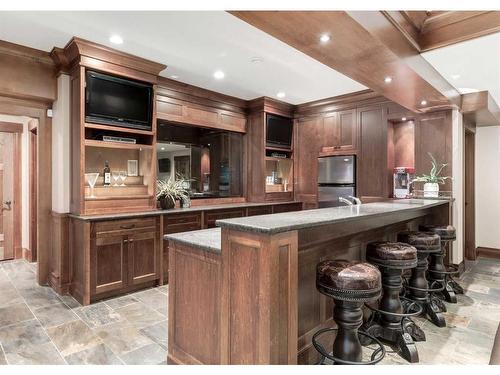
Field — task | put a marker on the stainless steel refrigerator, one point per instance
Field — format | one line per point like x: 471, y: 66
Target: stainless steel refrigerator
x: 336, y: 178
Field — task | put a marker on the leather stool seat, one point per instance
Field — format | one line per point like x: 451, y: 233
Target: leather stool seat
x: 446, y: 232
x: 348, y: 280
x: 423, y: 241
x: 396, y: 254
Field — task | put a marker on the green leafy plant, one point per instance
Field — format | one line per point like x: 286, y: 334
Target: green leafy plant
x: 434, y: 174
x: 171, y: 189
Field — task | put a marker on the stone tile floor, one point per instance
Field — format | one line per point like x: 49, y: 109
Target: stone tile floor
x: 39, y: 327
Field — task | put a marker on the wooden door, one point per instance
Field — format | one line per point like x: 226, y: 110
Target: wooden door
x: 469, y: 211
x: 331, y: 131
x: 143, y: 257
x: 109, y: 268
x: 6, y: 196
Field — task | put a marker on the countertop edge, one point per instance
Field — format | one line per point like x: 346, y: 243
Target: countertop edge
x: 226, y: 223
x: 206, y: 243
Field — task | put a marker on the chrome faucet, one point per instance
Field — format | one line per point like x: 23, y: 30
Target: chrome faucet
x: 346, y: 201
x: 355, y: 199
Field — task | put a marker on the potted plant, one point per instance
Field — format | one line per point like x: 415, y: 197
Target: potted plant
x: 169, y: 191
x: 433, y: 179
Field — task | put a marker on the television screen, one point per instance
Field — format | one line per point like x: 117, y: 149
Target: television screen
x: 116, y: 101
x: 279, y: 131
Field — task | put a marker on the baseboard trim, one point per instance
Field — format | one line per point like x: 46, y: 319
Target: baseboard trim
x: 488, y: 252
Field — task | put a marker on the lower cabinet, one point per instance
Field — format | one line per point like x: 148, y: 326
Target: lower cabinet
x: 124, y: 259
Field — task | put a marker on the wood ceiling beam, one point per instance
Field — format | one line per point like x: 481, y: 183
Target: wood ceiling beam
x: 365, y: 46
x: 481, y: 109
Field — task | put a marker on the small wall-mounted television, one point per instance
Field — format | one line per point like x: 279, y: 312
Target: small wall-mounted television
x: 116, y: 101
x: 278, y: 131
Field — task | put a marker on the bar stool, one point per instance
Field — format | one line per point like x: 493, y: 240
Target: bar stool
x: 350, y: 284
x: 426, y: 243
x: 437, y: 270
x: 387, y: 321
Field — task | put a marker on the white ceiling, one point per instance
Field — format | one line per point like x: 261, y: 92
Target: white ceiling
x: 193, y: 45
x: 471, y: 65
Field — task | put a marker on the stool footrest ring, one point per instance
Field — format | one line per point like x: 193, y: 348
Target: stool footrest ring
x: 374, y: 358
x: 450, y: 270
x: 429, y: 290
x: 419, y: 310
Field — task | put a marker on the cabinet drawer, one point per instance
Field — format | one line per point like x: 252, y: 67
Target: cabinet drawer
x: 261, y: 210
x: 212, y: 216
x: 287, y: 207
x: 102, y: 227
x: 182, y: 223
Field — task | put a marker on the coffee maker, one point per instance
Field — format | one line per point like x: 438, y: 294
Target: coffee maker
x: 402, y: 180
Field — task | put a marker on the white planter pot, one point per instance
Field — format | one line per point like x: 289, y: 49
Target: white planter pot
x: 431, y: 190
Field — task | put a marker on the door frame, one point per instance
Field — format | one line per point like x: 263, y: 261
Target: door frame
x: 16, y: 129
x: 31, y: 254
x: 38, y: 110
x: 469, y: 211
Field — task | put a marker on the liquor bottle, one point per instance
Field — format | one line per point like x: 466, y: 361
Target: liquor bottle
x: 107, y: 174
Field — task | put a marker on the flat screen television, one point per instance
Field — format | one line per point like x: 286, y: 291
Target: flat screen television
x: 278, y: 131
x: 116, y: 101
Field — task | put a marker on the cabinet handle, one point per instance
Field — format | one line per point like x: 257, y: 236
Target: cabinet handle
x: 125, y: 241
x: 131, y: 226
x: 130, y: 241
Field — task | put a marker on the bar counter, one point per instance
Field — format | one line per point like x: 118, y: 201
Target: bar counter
x: 245, y: 293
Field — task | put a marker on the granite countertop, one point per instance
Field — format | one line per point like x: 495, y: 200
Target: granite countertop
x: 129, y: 215
x: 284, y: 222
x: 205, y: 239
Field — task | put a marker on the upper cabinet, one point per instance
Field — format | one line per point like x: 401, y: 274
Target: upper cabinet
x: 340, y: 132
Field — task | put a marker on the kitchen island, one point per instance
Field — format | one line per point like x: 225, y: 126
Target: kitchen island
x: 245, y: 293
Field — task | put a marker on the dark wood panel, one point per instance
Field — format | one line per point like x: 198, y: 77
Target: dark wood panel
x: 372, y: 161
x: 260, y: 210
x: 143, y: 257
x: 109, y: 264
x: 289, y: 207
x: 211, y: 216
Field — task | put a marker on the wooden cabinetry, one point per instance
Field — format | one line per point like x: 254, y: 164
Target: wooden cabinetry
x: 123, y: 255
x: 372, y: 157
x: 210, y: 217
x: 340, y: 131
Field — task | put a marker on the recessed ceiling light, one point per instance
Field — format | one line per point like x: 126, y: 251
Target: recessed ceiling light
x: 116, y: 39
x: 281, y: 94
x: 423, y: 102
x: 163, y: 149
x: 455, y: 76
x: 403, y: 119
x: 255, y: 60
x: 324, y: 38
x: 388, y: 79
x: 173, y: 76
x: 219, y: 74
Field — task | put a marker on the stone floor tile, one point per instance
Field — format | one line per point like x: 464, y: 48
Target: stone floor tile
x: 9, y: 295
x: 483, y: 324
x: 140, y: 315
x: 73, y: 337
x: 70, y: 301
x: 152, y: 354
x: 163, y: 289
x: 15, y: 313
x: 116, y: 303
x: 122, y: 337
x: 158, y: 333
x: 54, y: 315
x: 45, y: 354
x: 96, y: 355
x: 3, y: 360
x: 39, y: 296
x: 98, y: 314
x: 25, y: 333
x: 455, y: 320
x: 153, y: 299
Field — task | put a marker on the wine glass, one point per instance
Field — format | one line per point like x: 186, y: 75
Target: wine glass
x: 116, y: 176
x: 91, y: 179
x: 123, y: 176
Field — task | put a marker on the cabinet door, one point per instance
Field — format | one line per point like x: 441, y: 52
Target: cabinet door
x: 331, y: 131
x: 372, y: 160
x: 347, y: 130
x: 109, y: 263
x: 144, y: 257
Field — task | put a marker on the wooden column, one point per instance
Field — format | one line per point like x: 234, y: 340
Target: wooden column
x: 260, y: 282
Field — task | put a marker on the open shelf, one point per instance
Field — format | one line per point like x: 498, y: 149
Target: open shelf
x: 117, y: 129
x: 284, y: 149
x: 118, y: 145
x: 118, y: 197
x: 271, y: 158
